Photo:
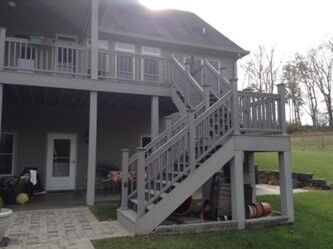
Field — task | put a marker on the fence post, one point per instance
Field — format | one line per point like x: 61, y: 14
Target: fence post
x: 2, y: 46
x: 207, y: 95
x: 140, y: 181
x: 191, y: 139
x: 235, y: 106
x: 124, y: 185
x: 282, y: 108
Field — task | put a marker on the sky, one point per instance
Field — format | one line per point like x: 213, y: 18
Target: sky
x: 289, y: 26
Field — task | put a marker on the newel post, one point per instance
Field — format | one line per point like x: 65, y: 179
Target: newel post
x: 2, y: 46
x: 235, y: 107
x: 191, y: 140
x: 282, y: 108
x: 140, y: 181
x: 207, y: 95
x: 124, y: 184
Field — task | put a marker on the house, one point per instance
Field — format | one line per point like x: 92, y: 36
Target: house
x: 154, y: 93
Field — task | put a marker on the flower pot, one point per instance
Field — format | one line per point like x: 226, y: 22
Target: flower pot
x: 267, y: 208
x: 4, y: 221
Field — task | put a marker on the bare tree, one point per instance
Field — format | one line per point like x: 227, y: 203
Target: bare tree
x: 303, y: 69
x: 261, y: 70
x: 292, y: 79
x: 321, y: 73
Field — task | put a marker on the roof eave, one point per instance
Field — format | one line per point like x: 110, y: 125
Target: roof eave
x: 239, y: 53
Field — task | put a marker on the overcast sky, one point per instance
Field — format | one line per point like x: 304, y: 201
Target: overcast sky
x: 289, y: 26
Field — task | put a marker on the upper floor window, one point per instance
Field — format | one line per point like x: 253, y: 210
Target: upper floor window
x: 6, y: 154
x: 215, y: 63
x: 125, y: 62
x: 195, y: 67
x: 150, y: 64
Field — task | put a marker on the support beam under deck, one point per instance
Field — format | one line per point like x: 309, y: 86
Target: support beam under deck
x: 91, y: 176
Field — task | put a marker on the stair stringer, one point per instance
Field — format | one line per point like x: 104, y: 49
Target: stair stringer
x: 178, y: 102
x: 147, y: 223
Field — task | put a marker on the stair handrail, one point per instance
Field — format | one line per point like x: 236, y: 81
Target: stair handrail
x: 223, y: 85
x: 177, y: 149
x: 191, y: 90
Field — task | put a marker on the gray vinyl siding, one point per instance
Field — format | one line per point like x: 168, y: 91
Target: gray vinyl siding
x: 31, y: 126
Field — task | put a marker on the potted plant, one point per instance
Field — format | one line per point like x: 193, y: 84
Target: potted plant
x: 4, y: 223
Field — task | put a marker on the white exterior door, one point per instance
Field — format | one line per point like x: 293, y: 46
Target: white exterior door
x: 61, y: 162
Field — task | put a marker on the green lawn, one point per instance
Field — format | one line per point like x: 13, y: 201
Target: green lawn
x: 312, y: 229
x: 311, y: 153
x: 105, y: 212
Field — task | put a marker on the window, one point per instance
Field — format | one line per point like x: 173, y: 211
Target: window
x: 195, y: 67
x: 66, y: 60
x: 6, y: 153
x: 124, y: 62
x: 215, y: 64
x: 145, y: 140
x: 103, y: 58
x: 150, y: 64
x: 66, y: 38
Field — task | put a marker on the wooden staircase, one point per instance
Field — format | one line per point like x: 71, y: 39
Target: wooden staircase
x: 162, y: 175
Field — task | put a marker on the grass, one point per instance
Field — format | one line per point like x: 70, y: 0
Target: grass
x: 312, y: 229
x: 312, y: 152
x: 105, y: 212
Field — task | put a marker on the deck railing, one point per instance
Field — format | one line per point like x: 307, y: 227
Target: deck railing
x: 259, y: 112
x: 53, y: 58
x: 60, y: 58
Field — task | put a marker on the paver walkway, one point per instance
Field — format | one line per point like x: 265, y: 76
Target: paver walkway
x: 71, y: 228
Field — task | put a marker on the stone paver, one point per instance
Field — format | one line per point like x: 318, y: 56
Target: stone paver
x: 71, y: 228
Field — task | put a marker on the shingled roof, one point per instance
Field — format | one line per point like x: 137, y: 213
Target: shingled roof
x: 186, y: 28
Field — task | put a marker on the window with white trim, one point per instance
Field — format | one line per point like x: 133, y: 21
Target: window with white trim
x: 215, y: 63
x: 103, y: 58
x: 150, y: 64
x: 6, y: 154
x: 124, y: 62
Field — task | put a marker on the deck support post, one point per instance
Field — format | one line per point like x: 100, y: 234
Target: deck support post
x: 154, y: 117
x: 141, y: 182
x: 91, y: 176
x: 249, y: 172
x: 2, y: 47
x: 237, y: 190
x: 286, y: 186
x: 124, y: 184
x: 252, y: 174
x: 94, y: 38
